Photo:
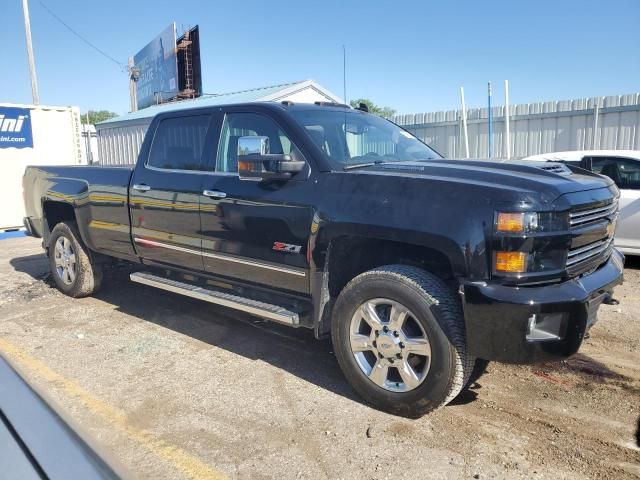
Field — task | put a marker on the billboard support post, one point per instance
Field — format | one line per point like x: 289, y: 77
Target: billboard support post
x: 189, y: 68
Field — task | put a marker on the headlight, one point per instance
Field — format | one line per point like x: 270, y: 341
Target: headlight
x: 530, y: 222
x: 530, y: 243
x: 519, y: 222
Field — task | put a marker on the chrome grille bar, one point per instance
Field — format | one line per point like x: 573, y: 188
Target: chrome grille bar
x: 585, y: 253
x: 592, y: 214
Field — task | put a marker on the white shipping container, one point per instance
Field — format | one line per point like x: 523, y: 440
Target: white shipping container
x: 56, y: 133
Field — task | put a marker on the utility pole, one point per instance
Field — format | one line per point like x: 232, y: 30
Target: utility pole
x: 133, y: 77
x: 32, y: 64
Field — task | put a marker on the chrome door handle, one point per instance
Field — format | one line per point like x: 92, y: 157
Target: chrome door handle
x: 141, y: 187
x: 214, y: 194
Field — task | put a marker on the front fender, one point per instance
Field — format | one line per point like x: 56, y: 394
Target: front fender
x: 459, y: 256
x: 322, y: 244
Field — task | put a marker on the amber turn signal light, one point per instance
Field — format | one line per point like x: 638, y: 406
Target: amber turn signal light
x: 245, y: 166
x: 518, y: 222
x: 510, y: 222
x: 511, y: 262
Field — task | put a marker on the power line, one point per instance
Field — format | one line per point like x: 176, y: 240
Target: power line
x: 101, y: 52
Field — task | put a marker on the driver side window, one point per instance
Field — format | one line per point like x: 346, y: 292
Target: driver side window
x: 238, y: 125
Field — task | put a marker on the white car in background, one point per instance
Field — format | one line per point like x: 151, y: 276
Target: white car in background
x: 623, y: 167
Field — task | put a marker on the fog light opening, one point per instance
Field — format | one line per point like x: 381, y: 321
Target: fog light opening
x: 546, y: 326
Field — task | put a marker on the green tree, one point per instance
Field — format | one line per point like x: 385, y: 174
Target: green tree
x: 373, y: 108
x: 97, y: 116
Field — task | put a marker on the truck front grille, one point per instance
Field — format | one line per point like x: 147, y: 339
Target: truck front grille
x: 586, y: 221
x: 587, y: 252
x: 592, y: 214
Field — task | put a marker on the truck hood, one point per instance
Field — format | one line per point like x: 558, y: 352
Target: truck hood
x: 537, y: 181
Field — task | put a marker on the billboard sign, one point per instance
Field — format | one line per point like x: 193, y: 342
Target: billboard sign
x: 157, y: 69
x: 15, y: 128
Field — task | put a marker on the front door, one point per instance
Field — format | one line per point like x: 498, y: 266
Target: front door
x: 256, y: 232
x: 165, y: 194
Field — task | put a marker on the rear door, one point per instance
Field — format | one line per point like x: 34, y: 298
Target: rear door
x: 625, y: 172
x: 165, y: 193
x: 255, y: 232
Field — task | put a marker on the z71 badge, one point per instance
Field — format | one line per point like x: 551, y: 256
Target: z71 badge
x: 286, y: 247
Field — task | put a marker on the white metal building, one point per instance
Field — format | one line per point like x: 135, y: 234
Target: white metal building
x: 56, y: 137
x: 120, y: 139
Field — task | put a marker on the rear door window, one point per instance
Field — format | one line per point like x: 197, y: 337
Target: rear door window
x: 178, y: 143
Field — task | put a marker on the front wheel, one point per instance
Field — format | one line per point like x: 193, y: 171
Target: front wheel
x: 398, y: 334
x: 73, y: 270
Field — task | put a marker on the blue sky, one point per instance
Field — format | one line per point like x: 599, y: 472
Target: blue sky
x: 411, y: 56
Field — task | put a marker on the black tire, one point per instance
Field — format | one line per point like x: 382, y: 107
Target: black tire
x: 88, y: 274
x: 478, y: 370
x: 438, y: 311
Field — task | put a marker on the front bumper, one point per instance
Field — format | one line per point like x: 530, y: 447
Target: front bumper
x: 498, y: 317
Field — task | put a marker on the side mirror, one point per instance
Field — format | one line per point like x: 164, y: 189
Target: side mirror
x: 257, y: 164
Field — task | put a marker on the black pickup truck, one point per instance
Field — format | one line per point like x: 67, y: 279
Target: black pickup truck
x: 330, y: 218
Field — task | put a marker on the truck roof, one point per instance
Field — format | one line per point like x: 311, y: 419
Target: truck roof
x: 284, y: 105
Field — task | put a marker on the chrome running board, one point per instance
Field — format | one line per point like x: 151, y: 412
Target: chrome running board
x: 254, y: 307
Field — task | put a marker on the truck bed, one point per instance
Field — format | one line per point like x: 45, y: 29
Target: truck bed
x: 99, y: 195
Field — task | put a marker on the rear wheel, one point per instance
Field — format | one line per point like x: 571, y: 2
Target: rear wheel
x: 398, y: 334
x: 73, y: 270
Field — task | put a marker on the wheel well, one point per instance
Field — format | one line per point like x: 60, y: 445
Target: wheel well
x: 351, y: 256
x: 56, y: 212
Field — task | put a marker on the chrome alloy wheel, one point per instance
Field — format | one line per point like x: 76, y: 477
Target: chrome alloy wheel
x: 65, y: 260
x: 389, y: 345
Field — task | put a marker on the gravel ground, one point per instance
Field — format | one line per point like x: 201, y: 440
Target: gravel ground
x: 169, y: 387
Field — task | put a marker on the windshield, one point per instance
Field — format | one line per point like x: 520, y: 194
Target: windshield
x: 350, y: 137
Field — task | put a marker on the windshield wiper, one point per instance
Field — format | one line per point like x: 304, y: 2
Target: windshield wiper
x: 362, y: 165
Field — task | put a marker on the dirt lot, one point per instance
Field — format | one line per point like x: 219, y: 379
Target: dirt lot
x: 174, y: 388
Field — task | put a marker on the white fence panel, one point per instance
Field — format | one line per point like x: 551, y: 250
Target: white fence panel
x: 540, y: 127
